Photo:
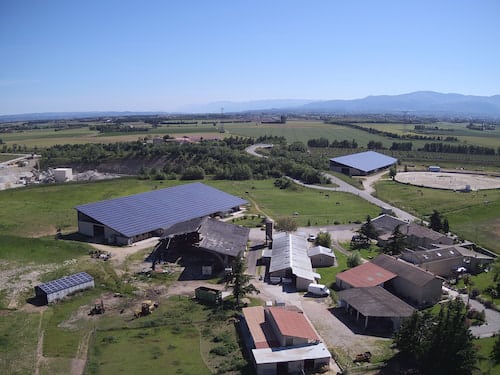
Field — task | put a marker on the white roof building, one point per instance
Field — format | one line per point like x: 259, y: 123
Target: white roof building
x: 290, y: 259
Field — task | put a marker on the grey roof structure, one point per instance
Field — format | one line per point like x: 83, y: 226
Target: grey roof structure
x: 426, y: 256
x: 159, y: 209
x: 215, y: 235
x: 375, y: 301
x: 290, y: 252
x: 365, y: 161
x: 66, y: 282
x: 385, y: 225
x: 404, y: 270
x: 223, y: 238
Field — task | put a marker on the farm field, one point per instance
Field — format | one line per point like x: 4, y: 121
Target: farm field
x: 41, y: 138
x: 473, y: 216
x: 487, y: 138
x: 304, y: 130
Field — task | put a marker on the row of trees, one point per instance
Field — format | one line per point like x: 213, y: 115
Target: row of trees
x: 323, y: 142
x: 459, y: 149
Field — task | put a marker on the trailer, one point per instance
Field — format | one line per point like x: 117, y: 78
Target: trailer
x: 208, y: 295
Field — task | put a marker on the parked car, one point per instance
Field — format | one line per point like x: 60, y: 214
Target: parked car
x: 318, y: 290
x: 312, y: 238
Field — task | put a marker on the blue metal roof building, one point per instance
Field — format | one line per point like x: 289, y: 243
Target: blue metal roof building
x: 362, y: 163
x: 135, y: 217
x: 57, y: 289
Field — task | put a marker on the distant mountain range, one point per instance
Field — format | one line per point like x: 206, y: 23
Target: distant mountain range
x: 426, y: 103
x: 419, y: 103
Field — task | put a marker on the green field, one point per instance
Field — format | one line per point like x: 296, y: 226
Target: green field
x: 304, y: 130
x: 487, y: 138
x: 473, y: 216
x: 51, y: 206
x: 47, y: 137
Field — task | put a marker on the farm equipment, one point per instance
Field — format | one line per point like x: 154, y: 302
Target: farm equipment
x: 147, y: 308
x: 363, y: 357
x: 98, y: 309
x: 100, y: 254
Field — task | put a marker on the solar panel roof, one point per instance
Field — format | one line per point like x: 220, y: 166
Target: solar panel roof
x: 159, y: 209
x: 66, y: 282
x: 365, y: 161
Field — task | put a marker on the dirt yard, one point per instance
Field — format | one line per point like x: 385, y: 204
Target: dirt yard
x: 449, y: 181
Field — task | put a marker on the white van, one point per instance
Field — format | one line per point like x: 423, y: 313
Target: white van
x: 318, y: 289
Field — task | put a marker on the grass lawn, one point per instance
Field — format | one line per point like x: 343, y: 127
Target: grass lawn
x: 328, y: 274
x: 18, y: 342
x: 39, y: 250
x: 473, y: 216
x: 145, y: 350
x: 485, y: 364
x: 51, y: 206
x: 181, y: 337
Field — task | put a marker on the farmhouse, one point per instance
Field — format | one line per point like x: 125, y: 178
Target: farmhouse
x: 290, y: 260
x: 321, y: 256
x: 446, y: 260
x: 282, y: 341
x: 416, y: 235
x: 376, y: 305
x: 362, y: 163
x: 412, y: 283
x: 223, y: 240
x: 133, y: 218
x: 57, y: 289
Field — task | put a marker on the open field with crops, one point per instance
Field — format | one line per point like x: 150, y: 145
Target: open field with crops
x: 487, y: 138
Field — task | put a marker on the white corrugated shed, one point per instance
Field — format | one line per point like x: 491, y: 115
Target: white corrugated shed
x: 321, y: 250
x: 290, y: 252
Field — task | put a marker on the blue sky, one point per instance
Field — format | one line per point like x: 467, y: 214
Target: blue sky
x: 163, y: 55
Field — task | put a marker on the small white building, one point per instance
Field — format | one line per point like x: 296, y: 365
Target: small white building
x: 434, y: 168
x: 321, y: 256
x: 63, y: 174
x: 57, y: 289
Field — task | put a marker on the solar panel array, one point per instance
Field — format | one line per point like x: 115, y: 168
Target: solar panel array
x: 159, y: 209
x: 366, y: 161
x: 66, y: 282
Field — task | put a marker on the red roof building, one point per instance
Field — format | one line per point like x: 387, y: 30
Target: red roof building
x: 364, y: 275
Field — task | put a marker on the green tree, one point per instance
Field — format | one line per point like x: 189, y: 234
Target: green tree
x: 354, y: 259
x: 286, y: 224
x: 368, y: 229
x: 392, y: 172
x: 240, y: 281
x: 324, y: 239
x: 193, y: 173
x: 396, y: 243
x: 446, y: 225
x: 435, y: 221
x: 439, y: 344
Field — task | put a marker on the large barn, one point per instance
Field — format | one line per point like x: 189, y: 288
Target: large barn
x: 126, y: 220
x: 362, y: 163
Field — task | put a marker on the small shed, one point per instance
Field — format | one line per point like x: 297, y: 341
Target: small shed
x: 63, y: 174
x: 57, y: 289
x: 321, y: 256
